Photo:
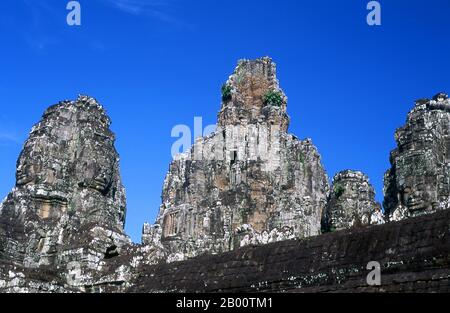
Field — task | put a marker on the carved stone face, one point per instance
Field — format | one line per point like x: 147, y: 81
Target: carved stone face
x: 67, y: 158
x: 96, y: 170
x: 417, y: 198
x: 26, y: 172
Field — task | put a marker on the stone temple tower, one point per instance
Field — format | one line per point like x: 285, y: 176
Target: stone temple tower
x: 249, y: 182
x: 419, y: 180
x: 245, y: 103
x: 68, y: 206
x: 351, y: 203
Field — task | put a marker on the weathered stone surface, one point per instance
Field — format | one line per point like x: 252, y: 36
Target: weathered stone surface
x: 250, y: 82
x: 419, y: 179
x: 249, y: 182
x: 351, y: 203
x: 67, y: 210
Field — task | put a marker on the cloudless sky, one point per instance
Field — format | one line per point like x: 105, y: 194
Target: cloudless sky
x: 158, y: 63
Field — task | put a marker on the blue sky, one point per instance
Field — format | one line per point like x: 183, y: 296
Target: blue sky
x: 156, y: 64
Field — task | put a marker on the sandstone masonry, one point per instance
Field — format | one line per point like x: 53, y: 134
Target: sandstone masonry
x: 250, y: 191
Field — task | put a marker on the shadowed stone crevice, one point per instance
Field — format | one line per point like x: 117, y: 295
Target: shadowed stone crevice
x: 111, y: 252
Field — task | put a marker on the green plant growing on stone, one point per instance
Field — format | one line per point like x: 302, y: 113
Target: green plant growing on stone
x: 301, y: 158
x: 338, y: 191
x: 226, y: 92
x: 71, y: 211
x: 273, y: 98
x: 239, y: 78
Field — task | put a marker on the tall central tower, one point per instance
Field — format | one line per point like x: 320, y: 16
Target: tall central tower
x: 249, y: 182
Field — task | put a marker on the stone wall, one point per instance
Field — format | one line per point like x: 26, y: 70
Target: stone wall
x: 414, y: 255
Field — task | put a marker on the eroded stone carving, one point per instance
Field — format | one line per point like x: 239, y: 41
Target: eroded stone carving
x: 251, y: 174
x: 351, y: 203
x: 69, y: 203
x: 419, y: 180
x: 248, y: 183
